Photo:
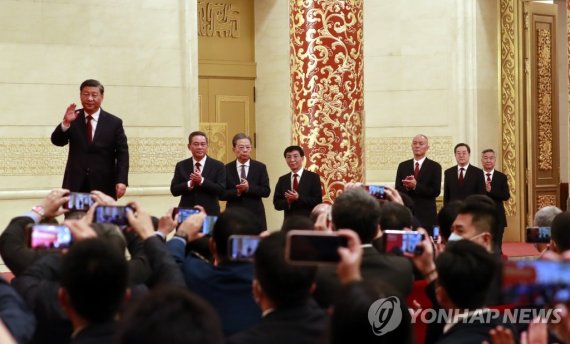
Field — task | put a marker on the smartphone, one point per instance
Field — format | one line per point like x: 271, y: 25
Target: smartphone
x: 183, y: 213
x: 376, y: 191
x: 208, y: 224
x: 79, y: 201
x: 435, y: 233
x: 309, y: 247
x: 538, y: 235
x: 116, y: 214
x: 400, y: 242
x: 49, y: 237
x: 242, y: 247
x: 536, y: 282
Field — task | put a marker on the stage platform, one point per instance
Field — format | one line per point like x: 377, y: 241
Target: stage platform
x: 519, y: 250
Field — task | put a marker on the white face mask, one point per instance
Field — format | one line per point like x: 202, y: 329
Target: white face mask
x: 454, y: 237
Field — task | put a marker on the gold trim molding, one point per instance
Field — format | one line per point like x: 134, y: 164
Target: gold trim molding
x: 544, y: 99
x: 218, y: 20
x: 545, y: 200
x: 385, y: 153
x: 217, y: 138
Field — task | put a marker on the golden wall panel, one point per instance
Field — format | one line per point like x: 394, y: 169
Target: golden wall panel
x: 544, y: 99
x: 217, y: 138
x: 218, y: 20
x: 509, y: 93
x: 385, y: 153
x: 545, y: 200
x: 33, y: 156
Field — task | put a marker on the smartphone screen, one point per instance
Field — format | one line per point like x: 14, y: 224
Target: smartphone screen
x: 376, y: 191
x: 49, y: 237
x: 208, y: 225
x: 307, y: 247
x: 435, y: 233
x: 111, y: 214
x: 399, y: 242
x: 538, y: 235
x: 79, y: 201
x: 536, y: 282
x: 183, y: 213
x: 242, y: 247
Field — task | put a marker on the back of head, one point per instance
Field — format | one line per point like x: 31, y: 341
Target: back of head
x: 483, y: 212
x: 355, y: 209
x: 110, y: 233
x: 560, y: 231
x: 94, y: 275
x: 350, y: 321
x: 545, y: 215
x: 297, y: 222
x: 171, y: 315
x: 233, y: 221
x: 321, y: 208
x: 395, y: 216
x: 446, y: 216
x: 283, y: 283
x: 465, y: 271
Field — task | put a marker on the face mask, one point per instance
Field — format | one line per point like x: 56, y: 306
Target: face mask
x: 454, y: 237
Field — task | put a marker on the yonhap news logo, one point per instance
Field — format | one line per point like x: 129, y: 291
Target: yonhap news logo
x: 385, y: 315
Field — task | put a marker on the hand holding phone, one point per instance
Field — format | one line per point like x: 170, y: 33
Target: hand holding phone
x: 49, y: 237
x: 114, y: 214
x: 538, y: 235
x: 400, y: 241
x: 242, y: 247
x: 79, y: 201
x: 376, y: 191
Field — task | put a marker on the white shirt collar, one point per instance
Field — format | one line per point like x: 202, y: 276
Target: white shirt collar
x: 202, y: 162
x: 421, y: 161
x: 246, y: 164
x: 299, y: 173
x: 464, y: 168
x: 95, y: 115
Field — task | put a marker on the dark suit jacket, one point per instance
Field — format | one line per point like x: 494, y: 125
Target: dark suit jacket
x: 258, y: 180
x: 226, y: 287
x: 473, y: 183
x: 208, y: 194
x: 310, y: 194
x: 294, y: 324
x: 428, y: 187
x: 104, y: 162
x: 474, y: 330
x: 393, y: 270
x: 499, y: 193
x: 19, y: 320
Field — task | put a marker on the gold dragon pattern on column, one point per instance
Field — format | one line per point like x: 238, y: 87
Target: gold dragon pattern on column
x: 327, y: 100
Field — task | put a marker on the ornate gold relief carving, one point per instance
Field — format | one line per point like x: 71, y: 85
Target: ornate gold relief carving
x: 33, y: 156
x: 385, y: 153
x: 218, y: 19
x: 217, y: 138
x: 545, y: 200
x: 509, y: 93
x: 544, y: 99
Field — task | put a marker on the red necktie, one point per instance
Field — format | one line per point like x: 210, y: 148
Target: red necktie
x: 417, y: 170
x: 198, y: 167
x: 295, y: 182
x: 461, y: 175
x: 89, y: 129
x: 488, y: 177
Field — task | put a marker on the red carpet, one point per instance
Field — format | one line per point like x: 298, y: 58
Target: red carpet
x: 519, y: 250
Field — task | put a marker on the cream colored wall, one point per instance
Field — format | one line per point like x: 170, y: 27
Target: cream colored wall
x: 144, y: 52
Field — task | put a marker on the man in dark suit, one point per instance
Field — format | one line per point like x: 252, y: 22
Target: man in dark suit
x: 420, y: 178
x: 247, y: 181
x: 200, y: 180
x: 98, y: 156
x: 462, y: 179
x: 496, y: 187
x: 355, y: 209
x: 299, y: 191
x: 283, y: 292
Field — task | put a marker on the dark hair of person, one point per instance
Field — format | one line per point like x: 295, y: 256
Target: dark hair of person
x: 483, y: 211
x: 240, y: 136
x: 92, y: 83
x: 291, y: 149
x: 488, y: 150
x: 170, y: 315
x: 446, y: 216
x: 350, y: 319
x: 94, y: 274
x: 355, y: 209
x: 284, y: 284
x: 465, y: 271
x: 297, y: 222
x: 395, y: 216
x: 233, y: 221
x: 197, y: 133
x: 560, y: 231
x: 462, y: 145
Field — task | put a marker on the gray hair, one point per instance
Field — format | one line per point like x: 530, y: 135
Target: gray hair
x: 544, y: 216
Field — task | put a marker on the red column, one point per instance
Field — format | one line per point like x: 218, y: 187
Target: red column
x: 327, y: 99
